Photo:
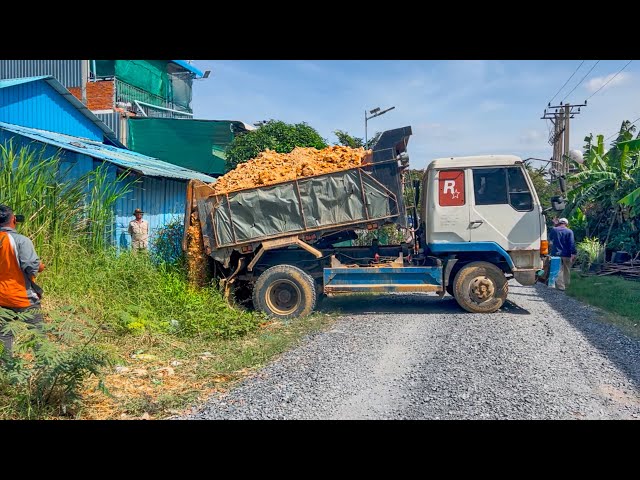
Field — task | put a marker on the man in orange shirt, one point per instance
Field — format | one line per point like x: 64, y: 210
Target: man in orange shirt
x: 19, y: 264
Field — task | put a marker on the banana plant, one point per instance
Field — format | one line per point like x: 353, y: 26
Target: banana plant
x: 632, y: 200
x: 609, y: 179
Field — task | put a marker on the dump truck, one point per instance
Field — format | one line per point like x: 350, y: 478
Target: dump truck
x: 470, y: 224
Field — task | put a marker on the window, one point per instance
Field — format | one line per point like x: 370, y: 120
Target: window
x: 490, y: 186
x: 500, y: 186
x: 519, y: 195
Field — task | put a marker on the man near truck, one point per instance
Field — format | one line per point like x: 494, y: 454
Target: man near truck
x: 563, y: 246
x: 19, y: 264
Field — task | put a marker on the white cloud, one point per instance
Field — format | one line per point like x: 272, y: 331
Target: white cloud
x: 532, y: 137
x: 597, y: 82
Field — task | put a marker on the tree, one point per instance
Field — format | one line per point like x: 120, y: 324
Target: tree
x: 354, y: 142
x: 274, y: 135
x: 544, y: 189
x: 609, y: 181
x: 347, y: 140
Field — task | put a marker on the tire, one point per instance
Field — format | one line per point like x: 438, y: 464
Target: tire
x: 449, y: 289
x: 284, y: 292
x: 480, y: 287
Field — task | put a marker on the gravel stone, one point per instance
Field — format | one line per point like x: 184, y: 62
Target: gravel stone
x: 415, y: 356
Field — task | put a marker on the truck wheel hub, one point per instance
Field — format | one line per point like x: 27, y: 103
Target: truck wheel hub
x: 482, y: 289
x: 283, y: 297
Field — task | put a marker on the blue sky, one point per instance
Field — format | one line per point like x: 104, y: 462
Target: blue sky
x: 454, y: 107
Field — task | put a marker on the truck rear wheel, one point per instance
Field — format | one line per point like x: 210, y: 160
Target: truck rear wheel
x: 284, y: 291
x: 480, y: 287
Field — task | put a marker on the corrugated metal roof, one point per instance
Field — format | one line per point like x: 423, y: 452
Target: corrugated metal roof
x: 58, y: 87
x: 188, y: 66
x: 10, y: 82
x: 67, y: 72
x: 137, y: 162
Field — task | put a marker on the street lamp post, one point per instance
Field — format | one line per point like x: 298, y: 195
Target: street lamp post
x: 374, y: 113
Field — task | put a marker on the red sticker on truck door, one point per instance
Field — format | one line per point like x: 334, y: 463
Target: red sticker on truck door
x: 451, y: 187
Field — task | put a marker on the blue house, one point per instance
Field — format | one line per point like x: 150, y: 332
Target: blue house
x: 40, y: 111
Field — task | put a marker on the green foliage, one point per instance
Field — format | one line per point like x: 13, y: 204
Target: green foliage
x: 46, y: 376
x: 386, y: 235
x: 347, y: 140
x: 166, y: 246
x: 590, y: 252
x: 606, y: 189
x: 56, y: 209
x: 544, y: 189
x: 624, y: 238
x: 274, y: 135
x: 132, y: 295
x: 103, y: 194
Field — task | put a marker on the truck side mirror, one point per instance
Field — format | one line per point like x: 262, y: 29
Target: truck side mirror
x: 558, y: 203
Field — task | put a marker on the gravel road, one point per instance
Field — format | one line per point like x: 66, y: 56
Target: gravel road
x: 543, y: 356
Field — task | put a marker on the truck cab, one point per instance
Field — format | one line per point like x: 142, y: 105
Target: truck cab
x: 484, y: 208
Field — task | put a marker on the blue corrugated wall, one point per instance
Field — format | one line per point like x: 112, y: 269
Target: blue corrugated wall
x: 161, y: 199
x: 37, y: 105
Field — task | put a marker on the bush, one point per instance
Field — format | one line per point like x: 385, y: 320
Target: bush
x: 46, y: 376
x: 166, y: 246
x: 590, y: 252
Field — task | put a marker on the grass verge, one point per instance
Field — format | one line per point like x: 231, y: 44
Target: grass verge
x: 618, y: 297
x: 161, y: 375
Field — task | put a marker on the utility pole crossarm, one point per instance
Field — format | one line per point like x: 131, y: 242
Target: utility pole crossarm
x: 560, y: 117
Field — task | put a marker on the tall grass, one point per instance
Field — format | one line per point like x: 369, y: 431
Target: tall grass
x: 58, y: 212
x: 128, y: 293
x: 29, y: 184
x: 104, y: 192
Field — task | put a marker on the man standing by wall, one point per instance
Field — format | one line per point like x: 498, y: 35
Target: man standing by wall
x: 563, y: 246
x: 19, y: 264
x: 139, y: 231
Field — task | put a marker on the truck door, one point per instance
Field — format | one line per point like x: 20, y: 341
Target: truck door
x: 448, y: 220
x: 504, y: 209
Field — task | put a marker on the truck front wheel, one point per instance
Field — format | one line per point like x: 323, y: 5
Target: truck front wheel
x: 284, y: 291
x: 480, y: 287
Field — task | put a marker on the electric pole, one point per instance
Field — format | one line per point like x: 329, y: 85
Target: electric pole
x: 560, y: 117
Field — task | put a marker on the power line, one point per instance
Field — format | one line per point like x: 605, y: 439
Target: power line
x: 580, y: 82
x: 619, y: 71
x: 618, y: 132
x: 565, y: 83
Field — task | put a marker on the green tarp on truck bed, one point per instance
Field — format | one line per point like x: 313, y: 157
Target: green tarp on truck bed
x: 309, y: 204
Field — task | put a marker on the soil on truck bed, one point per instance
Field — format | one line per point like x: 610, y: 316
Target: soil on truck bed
x: 270, y: 168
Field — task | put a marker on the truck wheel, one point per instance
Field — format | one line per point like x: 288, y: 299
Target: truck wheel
x: 480, y: 287
x: 284, y: 291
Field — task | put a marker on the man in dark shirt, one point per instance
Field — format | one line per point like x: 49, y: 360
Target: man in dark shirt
x: 563, y: 245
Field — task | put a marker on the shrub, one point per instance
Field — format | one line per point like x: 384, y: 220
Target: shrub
x: 590, y: 252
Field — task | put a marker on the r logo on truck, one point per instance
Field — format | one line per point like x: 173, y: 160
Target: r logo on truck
x: 451, y: 185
